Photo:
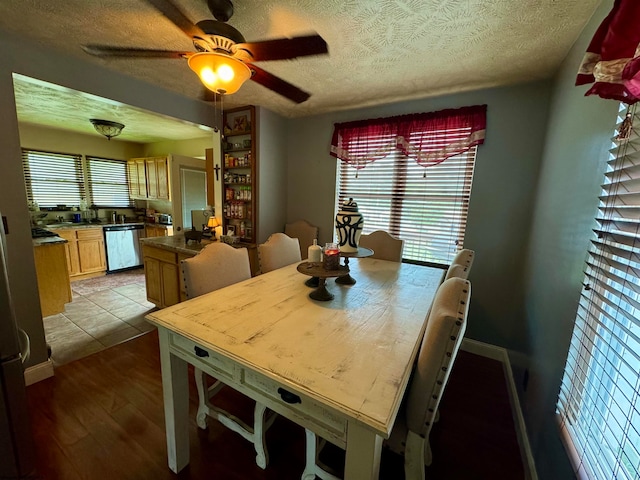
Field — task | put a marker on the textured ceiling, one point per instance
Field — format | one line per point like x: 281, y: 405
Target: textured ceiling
x: 380, y: 51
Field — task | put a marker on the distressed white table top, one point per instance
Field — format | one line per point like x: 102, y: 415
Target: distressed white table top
x: 354, y: 353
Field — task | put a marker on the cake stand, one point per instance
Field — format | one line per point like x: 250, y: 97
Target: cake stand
x: 316, y: 270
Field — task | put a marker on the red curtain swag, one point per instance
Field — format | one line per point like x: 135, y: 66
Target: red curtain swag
x: 612, y: 61
x: 428, y: 138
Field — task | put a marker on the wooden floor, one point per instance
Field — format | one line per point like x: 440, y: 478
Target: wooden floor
x: 102, y: 417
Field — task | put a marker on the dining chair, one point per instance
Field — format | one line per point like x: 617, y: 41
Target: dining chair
x: 304, y: 232
x: 384, y: 245
x: 216, y: 266
x: 279, y: 250
x: 446, y: 324
x: 461, y: 264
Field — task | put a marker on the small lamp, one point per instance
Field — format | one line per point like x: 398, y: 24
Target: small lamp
x: 220, y: 73
x: 212, y: 223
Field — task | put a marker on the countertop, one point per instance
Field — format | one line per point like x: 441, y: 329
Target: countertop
x: 176, y: 243
x: 39, y: 242
x: 59, y: 226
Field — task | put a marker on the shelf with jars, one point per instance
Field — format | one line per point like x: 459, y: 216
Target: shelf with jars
x: 239, y: 210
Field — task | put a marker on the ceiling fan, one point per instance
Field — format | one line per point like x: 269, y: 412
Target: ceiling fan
x: 223, y: 59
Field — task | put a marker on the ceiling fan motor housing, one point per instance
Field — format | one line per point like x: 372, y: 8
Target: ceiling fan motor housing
x: 221, y: 9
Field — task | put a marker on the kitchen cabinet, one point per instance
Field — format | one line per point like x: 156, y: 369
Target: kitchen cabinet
x: 52, y: 273
x: 162, y: 276
x: 137, y: 178
x: 149, y: 178
x: 239, y: 174
x: 158, y: 230
x: 85, y: 250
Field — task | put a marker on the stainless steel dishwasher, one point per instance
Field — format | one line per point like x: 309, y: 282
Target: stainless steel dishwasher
x: 122, y: 243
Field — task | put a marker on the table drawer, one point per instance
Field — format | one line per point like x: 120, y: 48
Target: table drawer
x: 333, y: 422
x: 203, y: 358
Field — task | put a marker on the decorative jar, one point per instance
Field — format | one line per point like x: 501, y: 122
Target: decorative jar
x: 349, y: 223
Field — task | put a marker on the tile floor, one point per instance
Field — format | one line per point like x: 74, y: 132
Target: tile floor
x: 98, y: 319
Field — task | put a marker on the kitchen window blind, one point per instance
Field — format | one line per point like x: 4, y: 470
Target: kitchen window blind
x: 426, y: 207
x: 108, y: 185
x: 599, y: 402
x: 53, y: 178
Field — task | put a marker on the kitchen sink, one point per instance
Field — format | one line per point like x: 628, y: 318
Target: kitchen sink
x: 61, y: 224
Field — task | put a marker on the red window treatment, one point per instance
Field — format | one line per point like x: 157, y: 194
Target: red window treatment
x: 428, y: 138
x: 612, y: 61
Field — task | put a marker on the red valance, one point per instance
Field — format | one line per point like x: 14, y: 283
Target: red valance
x: 612, y: 61
x: 428, y: 138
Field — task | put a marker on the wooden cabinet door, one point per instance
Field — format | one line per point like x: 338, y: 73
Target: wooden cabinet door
x: 152, y: 178
x: 142, y: 177
x: 134, y: 180
x: 71, y: 249
x: 91, y: 250
x: 170, y: 284
x: 153, y: 280
x: 162, y: 177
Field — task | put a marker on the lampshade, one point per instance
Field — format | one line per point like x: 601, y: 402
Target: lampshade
x: 219, y: 73
x: 212, y: 222
x: 107, y: 128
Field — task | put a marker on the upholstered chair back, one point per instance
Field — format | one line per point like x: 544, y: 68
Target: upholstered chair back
x: 304, y: 232
x: 279, y: 250
x: 217, y: 265
x: 384, y: 245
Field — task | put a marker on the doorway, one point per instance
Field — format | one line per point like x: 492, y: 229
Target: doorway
x: 193, y: 187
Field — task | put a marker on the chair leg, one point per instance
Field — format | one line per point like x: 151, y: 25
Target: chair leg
x: 312, y: 468
x: 414, y: 460
x: 259, y: 431
x: 201, y: 385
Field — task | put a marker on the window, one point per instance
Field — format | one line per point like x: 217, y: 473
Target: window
x: 54, y: 179
x: 599, y: 403
x: 108, y: 183
x: 412, y: 177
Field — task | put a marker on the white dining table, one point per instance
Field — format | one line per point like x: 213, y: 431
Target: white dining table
x: 339, y: 368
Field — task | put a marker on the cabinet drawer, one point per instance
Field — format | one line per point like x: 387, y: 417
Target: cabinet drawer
x: 159, y: 253
x: 334, y: 423
x: 89, y: 234
x: 203, y: 357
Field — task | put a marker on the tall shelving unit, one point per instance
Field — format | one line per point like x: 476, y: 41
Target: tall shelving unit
x: 239, y: 212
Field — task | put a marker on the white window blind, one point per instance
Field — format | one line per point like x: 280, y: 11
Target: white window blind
x: 427, y: 208
x: 599, y: 402
x: 53, y: 178
x: 108, y: 185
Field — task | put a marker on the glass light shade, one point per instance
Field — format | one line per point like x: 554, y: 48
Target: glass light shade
x: 212, y: 222
x: 107, y: 128
x: 219, y: 73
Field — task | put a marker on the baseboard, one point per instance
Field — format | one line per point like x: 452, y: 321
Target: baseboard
x: 38, y: 372
x: 500, y: 354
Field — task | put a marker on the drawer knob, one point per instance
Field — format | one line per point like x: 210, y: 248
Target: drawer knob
x: 288, y: 397
x: 201, y: 352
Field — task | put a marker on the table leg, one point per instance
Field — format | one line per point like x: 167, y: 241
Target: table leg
x: 175, y: 390
x: 364, y: 449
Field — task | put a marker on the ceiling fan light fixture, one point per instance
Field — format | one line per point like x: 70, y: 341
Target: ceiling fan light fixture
x: 220, y: 73
x: 107, y: 128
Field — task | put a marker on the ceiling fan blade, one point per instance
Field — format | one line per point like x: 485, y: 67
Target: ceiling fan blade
x: 173, y: 13
x: 278, y: 85
x: 108, y: 51
x: 285, y: 48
